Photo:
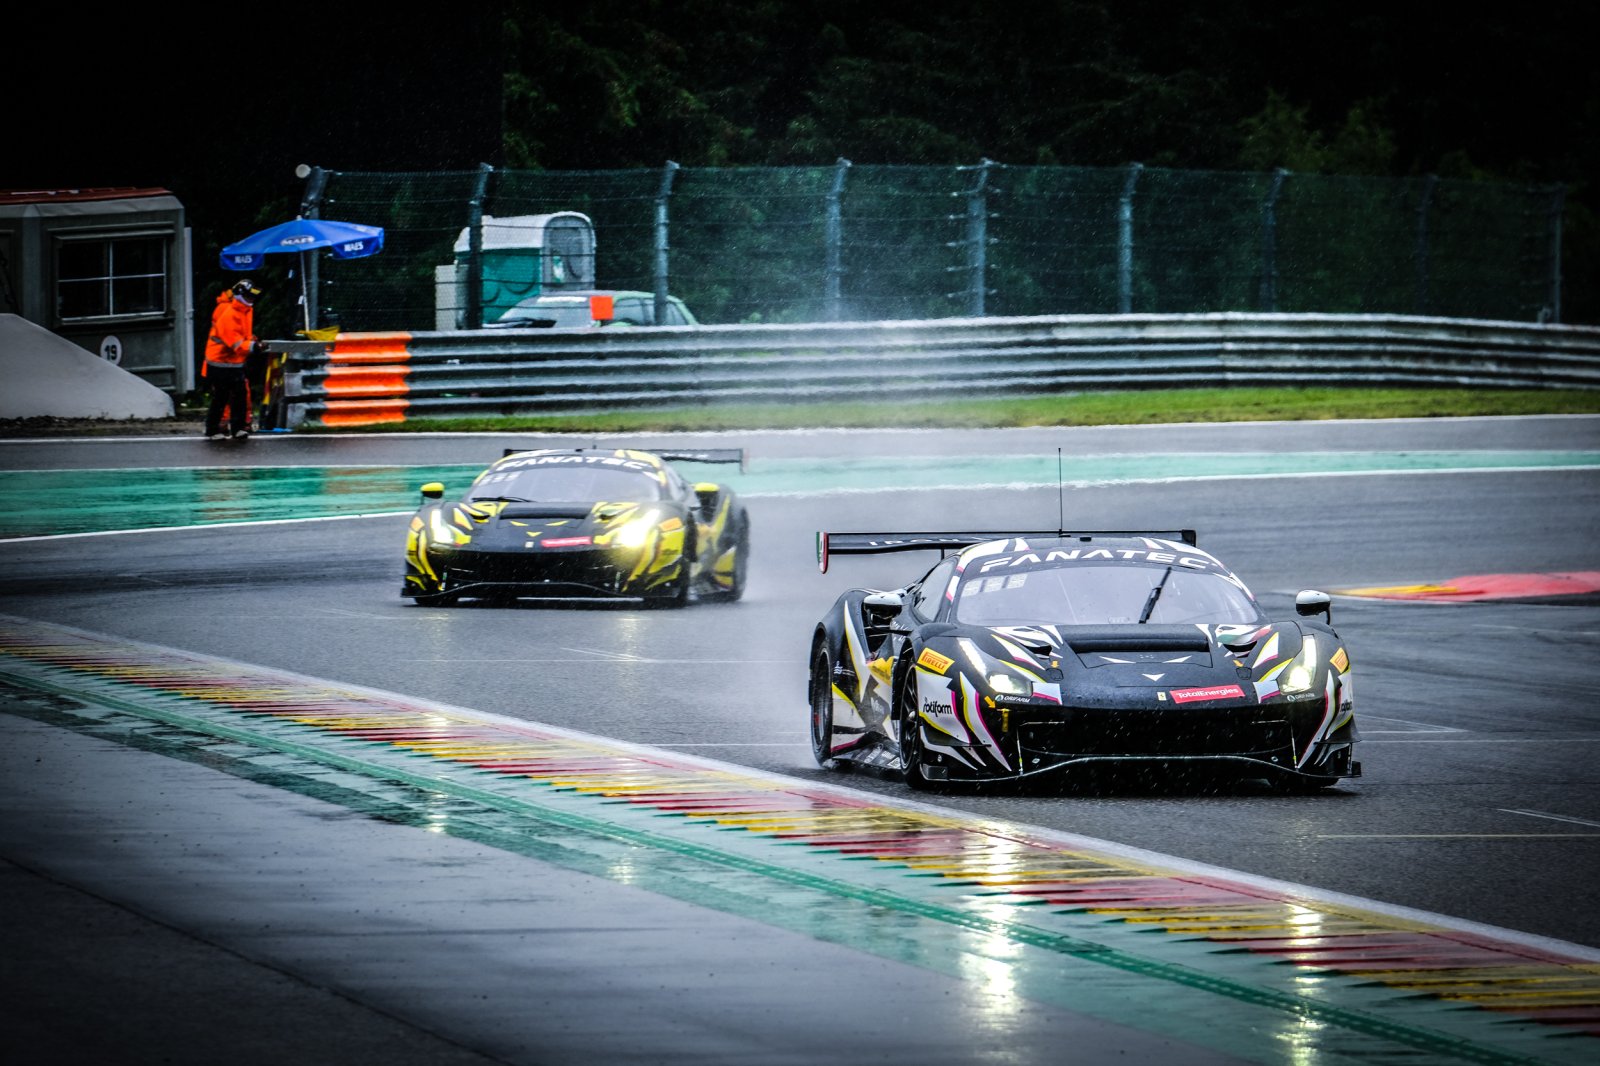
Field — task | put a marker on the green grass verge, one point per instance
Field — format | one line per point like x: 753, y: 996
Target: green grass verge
x: 1084, y: 409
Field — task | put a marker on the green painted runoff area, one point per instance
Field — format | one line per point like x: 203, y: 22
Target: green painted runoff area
x: 51, y: 502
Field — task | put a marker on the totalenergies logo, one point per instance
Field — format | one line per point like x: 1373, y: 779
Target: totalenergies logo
x: 1206, y: 695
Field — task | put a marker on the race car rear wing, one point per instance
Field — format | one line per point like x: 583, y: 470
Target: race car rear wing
x: 830, y: 544
x: 702, y: 455
x: 707, y: 455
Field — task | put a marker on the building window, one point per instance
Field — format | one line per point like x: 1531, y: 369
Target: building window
x: 111, y: 277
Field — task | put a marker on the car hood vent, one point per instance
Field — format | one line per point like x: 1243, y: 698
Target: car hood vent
x: 546, y: 510
x: 1133, y: 638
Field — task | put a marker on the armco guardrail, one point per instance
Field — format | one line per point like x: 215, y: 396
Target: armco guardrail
x: 364, y: 378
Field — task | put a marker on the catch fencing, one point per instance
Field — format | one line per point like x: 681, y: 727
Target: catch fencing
x: 386, y: 377
x: 845, y: 243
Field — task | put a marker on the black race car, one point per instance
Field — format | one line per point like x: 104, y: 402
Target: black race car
x: 1024, y: 654
x: 565, y: 523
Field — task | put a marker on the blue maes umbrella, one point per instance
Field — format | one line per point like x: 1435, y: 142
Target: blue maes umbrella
x: 345, y: 240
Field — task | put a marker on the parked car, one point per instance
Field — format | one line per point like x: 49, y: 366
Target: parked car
x: 1022, y: 654
x: 579, y: 309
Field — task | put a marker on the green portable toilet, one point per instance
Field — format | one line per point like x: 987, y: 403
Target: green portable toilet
x: 523, y: 256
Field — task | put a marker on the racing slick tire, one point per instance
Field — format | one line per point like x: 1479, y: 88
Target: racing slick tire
x: 910, y: 727
x: 822, y: 706
x: 741, y: 562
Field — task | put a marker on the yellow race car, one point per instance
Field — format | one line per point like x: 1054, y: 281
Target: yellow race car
x: 582, y: 523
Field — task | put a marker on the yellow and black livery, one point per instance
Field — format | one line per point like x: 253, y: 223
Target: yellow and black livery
x: 582, y: 523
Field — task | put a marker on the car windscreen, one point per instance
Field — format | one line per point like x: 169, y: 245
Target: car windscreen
x: 1102, y: 595
x: 576, y: 483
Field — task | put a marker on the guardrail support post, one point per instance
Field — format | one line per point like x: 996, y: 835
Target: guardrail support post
x: 1269, y: 242
x: 662, y: 195
x: 833, y: 302
x: 1125, y: 241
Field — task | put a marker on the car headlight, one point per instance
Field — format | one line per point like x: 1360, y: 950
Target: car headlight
x: 636, y: 533
x: 1001, y: 681
x: 441, y: 532
x: 1010, y: 685
x: 1302, y: 671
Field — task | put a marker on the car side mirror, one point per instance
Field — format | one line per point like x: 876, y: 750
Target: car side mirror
x: 1310, y: 602
x: 881, y: 607
x: 707, y: 494
x: 433, y: 490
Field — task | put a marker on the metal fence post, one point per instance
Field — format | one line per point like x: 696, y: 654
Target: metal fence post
x: 1269, y: 242
x: 1552, y: 311
x: 834, y: 237
x: 1422, y: 299
x: 978, y: 241
x: 472, y: 311
x: 1125, y: 241
x: 311, y: 207
x: 662, y: 194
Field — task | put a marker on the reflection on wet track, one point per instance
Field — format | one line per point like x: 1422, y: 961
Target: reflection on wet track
x: 1019, y: 913
x: 53, y: 502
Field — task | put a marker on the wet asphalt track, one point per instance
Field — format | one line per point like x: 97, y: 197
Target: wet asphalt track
x: 1481, y: 799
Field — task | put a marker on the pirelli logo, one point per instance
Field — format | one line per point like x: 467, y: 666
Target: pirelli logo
x: 932, y: 660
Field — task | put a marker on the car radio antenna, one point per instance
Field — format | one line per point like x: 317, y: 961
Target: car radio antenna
x: 1061, y: 501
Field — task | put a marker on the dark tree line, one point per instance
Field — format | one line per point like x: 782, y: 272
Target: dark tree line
x: 1508, y: 94
x: 1354, y: 87
x: 1502, y: 94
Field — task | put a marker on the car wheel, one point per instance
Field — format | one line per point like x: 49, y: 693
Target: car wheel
x: 910, y: 724
x: 822, y: 706
x: 741, y: 561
